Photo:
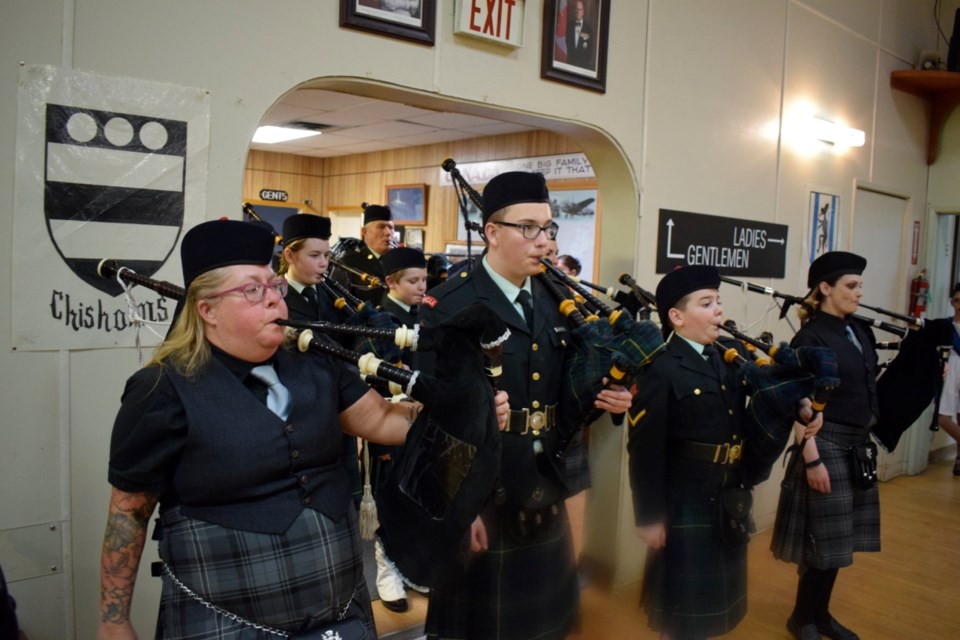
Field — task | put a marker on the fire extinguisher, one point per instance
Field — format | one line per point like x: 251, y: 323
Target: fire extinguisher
x: 918, y: 295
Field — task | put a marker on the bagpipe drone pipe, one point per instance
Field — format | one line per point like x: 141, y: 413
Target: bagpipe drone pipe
x: 449, y: 465
x: 910, y: 382
x: 607, y: 343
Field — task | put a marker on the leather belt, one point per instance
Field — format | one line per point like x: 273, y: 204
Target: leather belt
x: 725, y: 453
x: 527, y: 422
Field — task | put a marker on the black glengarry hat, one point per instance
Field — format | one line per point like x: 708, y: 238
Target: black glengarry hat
x: 222, y: 243
x: 513, y: 187
x: 833, y: 265
x: 680, y: 282
x: 375, y: 212
x: 402, y: 258
x: 305, y: 225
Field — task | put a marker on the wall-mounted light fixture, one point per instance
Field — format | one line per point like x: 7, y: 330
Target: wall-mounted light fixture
x: 836, y: 134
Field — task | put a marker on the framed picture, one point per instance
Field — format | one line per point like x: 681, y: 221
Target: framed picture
x: 413, y: 237
x: 407, y: 19
x: 576, y: 213
x: 407, y: 203
x: 575, y: 42
x: 823, y: 217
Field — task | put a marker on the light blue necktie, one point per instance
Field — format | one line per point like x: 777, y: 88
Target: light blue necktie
x: 278, y: 396
x: 853, y: 337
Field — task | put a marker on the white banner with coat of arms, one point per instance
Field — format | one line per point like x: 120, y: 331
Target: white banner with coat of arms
x: 107, y: 168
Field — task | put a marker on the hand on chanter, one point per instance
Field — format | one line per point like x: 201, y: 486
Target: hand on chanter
x: 501, y: 403
x: 613, y: 398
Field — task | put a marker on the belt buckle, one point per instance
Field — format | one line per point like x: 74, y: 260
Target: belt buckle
x: 735, y: 452
x: 536, y: 421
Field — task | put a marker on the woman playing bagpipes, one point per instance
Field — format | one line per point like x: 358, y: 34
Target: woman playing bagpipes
x: 835, y: 501
x: 237, y: 439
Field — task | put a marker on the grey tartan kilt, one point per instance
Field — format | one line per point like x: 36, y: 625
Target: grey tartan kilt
x: 695, y: 586
x: 823, y: 530
x: 291, y: 581
x: 513, y: 591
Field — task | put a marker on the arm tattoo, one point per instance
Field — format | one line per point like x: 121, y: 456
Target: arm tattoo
x: 123, y: 544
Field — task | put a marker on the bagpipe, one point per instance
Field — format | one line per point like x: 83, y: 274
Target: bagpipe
x: 448, y: 466
x: 777, y: 383
x: 606, y: 342
x: 911, y: 381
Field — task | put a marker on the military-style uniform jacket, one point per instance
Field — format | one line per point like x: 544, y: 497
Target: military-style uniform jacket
x: 366, y: 261
x: 854, y: 402
x: 533, y: 364
x: 681, y: 398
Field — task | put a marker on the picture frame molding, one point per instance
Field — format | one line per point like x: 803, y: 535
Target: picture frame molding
x: 351, y: 18
x: 399, y: 217
x: 566, y: 72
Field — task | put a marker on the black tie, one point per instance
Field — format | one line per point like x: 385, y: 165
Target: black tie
x: 311, y: 295
x: 713, y: 357
x: 525, y: 301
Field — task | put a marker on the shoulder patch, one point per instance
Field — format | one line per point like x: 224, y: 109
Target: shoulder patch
x: 430, y: 301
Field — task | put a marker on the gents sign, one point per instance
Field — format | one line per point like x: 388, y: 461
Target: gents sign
x: 274, y: 195
x: 734, y: 246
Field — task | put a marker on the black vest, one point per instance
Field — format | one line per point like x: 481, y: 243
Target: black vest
x: 242, y: 466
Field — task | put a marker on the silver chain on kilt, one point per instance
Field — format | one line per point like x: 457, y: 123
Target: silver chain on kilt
x: 232, y: 616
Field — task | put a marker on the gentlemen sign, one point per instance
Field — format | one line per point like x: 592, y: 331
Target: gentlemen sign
x: 274, y: 195
x: 734, y: 246
x: 497, y: 21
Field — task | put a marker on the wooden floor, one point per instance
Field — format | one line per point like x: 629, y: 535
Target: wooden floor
x: 911, y: 589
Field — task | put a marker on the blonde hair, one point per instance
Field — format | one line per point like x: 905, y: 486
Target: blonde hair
x: 294, y: 246
x: 185, y: 347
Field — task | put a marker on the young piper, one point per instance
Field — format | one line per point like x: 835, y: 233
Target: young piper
x: 685, y: 449
x: 522, y: 582
x: 406, y: 275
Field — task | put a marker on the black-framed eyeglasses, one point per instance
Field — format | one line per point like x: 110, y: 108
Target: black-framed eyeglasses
x: 256, y: 291
x: 532, y: 231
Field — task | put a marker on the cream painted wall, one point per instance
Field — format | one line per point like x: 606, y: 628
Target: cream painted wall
x: 694, y: 89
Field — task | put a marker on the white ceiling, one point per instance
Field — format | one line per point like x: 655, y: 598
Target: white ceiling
x: 359, y: 124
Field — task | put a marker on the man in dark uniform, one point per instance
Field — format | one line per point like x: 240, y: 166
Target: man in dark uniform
x: 522, y: 581
x: 581, y: 46
x: 377, y: 236
x: 685, y: 449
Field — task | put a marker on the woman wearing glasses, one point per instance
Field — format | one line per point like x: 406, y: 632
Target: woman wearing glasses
x: 522, y: 582
x: 237, y: 439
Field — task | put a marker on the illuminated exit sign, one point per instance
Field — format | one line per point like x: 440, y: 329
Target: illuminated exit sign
x: 497, y: 21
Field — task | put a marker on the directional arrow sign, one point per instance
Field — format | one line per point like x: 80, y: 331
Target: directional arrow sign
x: 736, y: 247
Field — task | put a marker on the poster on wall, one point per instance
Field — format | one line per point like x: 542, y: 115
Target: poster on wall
x: 575, y: 211
x: 107, y: 168
x: 823, y: 217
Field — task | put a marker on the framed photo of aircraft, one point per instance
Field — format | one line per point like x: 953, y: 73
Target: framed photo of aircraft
x: 576, y: 211
x: 408, y: 203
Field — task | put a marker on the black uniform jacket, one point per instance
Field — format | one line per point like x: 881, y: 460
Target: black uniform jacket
x: 533, y: 365
x: 366, y: 261
x: 854, y: 401
x: 681, y: 397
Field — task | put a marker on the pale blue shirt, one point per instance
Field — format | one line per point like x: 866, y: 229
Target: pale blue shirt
x: 509, y: 289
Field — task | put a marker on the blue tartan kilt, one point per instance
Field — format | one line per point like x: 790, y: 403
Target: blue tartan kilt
x: 824, y: 530
x: 297, y: 580
x: 695, y: 586
x: 513, y: 591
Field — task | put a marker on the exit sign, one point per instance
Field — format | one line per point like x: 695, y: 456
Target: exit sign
x: 497, y: 21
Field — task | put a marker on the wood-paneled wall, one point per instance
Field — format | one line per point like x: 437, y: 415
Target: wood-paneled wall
x: 348, y: 181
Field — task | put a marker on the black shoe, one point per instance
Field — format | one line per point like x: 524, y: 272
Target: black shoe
x: 806, y: 632
x: 836, y: 631
x: 956, y: 468
x: 397, y: 606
